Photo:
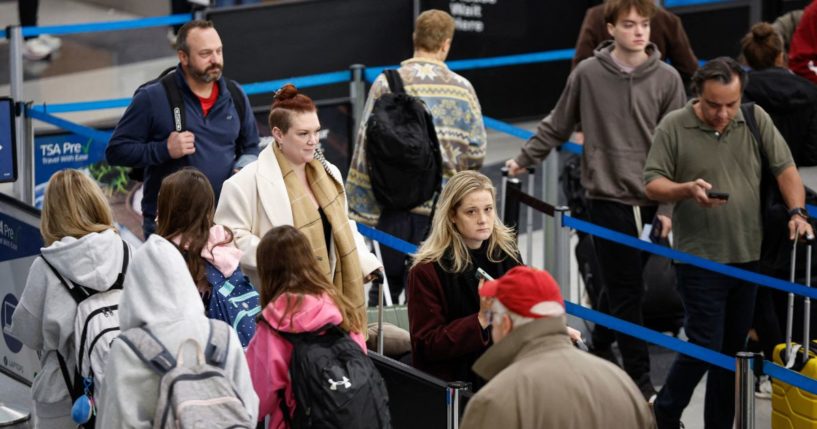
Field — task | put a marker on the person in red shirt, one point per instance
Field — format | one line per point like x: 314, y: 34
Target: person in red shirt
x: 803, y: 50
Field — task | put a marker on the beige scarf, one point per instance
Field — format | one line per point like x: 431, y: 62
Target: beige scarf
x: 348, y: 276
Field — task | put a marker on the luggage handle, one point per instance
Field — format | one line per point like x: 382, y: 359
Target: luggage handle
x: 807, y: 303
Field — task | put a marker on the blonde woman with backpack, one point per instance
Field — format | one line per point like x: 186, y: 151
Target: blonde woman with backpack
x: 84, y: 248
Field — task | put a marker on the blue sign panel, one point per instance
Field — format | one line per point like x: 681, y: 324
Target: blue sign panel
x: 18, y: 239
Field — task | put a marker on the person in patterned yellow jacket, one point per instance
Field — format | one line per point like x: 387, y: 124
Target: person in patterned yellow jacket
x: 453, y: 103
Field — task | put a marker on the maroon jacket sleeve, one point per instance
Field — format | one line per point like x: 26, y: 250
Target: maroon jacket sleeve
x: 803, y: 48
x: 679, y: 51
x: 593, y: 32
x: 432, y: 338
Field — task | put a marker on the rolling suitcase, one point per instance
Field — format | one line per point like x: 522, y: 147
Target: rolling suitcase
x: 793, y: 408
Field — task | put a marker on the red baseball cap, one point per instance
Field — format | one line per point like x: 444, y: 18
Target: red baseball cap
x: 527, y: 292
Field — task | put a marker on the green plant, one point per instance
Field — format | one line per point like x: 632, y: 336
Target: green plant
x: 111, y: 178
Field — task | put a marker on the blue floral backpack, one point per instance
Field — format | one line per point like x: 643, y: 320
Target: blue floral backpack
x: 233, y: 300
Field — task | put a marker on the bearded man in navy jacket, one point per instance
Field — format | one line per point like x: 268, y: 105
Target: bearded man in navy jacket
x: 217, y: 137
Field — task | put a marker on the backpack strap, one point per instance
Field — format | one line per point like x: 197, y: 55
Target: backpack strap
x: 238, y: 101
x: 174, y: 97
x: 120, y: 279
x: 282, y: 401
x: 76, y: 291
x: 79, y: 292
x: 149, y: 349
x: 293, y: 337
x: 395, y: 81
x: 75, y: 387
x: 748, y: 110
x: 218, y: 344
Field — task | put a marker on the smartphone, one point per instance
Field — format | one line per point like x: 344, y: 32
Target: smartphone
x: 481, y: 274
x: 581, y: 345
x: 718, y: 195
x: 655, y: 232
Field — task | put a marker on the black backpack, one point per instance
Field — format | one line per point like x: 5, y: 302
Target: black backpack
x: 402, y: 149
x: 174, y: 98
x: 335, y: 384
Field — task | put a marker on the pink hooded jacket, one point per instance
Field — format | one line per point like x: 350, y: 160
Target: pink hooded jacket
x: 269, y: 355
x: 225, y: 257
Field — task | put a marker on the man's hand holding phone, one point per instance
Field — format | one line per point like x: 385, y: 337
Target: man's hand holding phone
x: 701, y: 191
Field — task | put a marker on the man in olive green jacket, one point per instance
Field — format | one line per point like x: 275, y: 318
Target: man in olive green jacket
x: 537, y: 378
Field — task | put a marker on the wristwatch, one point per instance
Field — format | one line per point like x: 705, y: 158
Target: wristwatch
x: 799, y: 211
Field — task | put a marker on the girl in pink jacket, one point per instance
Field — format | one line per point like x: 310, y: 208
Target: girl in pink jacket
x: 296, y: 297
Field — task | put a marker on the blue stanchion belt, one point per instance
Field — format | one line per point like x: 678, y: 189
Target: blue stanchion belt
x: 693, y: 350
x: 100, y: 137
x: 371, y: 73
x: 788, y: 376
x: 130, y: 24
x: 250, y: 89
x: 686, y: 258
x: 82, y: 106
x: 683, y: 3
x: 387, y: 239
x: 524, y: 134
x: 343, y: 76
x: 638, y: 331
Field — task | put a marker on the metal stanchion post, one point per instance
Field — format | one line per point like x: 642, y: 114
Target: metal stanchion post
x: 551, y: 196
x: 378, y: 282
x: 502, y: 194
x: 561, y: 260
x: 385, y: 286
x: 454, y: 390
x: 24, y: 186
x: 510, y: 206
x: 449, y: 399
x: 357, y: 94
x: 529, y: 216
x: 745, y: 390
x: 15, y: 35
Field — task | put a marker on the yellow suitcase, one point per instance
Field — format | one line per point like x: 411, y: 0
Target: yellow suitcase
x: 793, y: 408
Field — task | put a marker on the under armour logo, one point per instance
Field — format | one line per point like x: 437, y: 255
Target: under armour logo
x: 333, y: 385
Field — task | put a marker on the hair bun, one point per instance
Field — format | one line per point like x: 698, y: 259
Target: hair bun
x: 286, y: 92
x: 762, y: 31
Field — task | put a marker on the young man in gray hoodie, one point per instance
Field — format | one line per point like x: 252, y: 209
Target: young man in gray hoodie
x: 618, y: 96
x: 159, y: 294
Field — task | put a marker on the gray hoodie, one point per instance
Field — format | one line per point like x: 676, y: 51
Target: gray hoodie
x: 618, y: 113
x: 44, y: 318
x: 160, y: 293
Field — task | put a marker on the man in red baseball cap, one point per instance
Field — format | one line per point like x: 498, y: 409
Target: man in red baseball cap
x: 536, y: 377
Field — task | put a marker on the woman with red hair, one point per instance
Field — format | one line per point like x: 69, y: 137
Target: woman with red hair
x: 292, y: 184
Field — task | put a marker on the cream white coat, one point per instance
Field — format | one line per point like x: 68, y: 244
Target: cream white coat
x: 255, y: 200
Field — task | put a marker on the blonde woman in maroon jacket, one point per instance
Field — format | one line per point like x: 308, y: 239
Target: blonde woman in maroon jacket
x: 447, y: 320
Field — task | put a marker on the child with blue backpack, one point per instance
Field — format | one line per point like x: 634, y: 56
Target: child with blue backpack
x: 185, y: 210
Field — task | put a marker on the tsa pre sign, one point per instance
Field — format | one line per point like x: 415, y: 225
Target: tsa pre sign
x: 61, y: 151
x: 20, y: 244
